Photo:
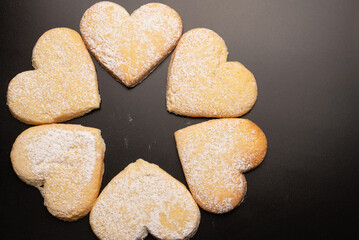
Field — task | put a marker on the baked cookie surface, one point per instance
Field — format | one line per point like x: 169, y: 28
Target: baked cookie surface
x: 62, y: 86
x: 130, y: 46
x: 65, y: 162
x: 201, y: 83
x: 144, y: 199
x: 214, y: 154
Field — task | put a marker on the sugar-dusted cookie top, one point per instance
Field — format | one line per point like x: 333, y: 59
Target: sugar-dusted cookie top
x: 62, y: 86
x: 201, y: 83
x: 65, y: 162
x: 130, y: 46
x: 214, y: 154
x: 144, y: 199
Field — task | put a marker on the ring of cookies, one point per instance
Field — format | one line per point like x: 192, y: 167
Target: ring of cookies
x: 66, y: 162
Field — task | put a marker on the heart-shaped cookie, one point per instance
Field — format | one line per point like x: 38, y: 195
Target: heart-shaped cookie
x: 144, y: 199
x: 130, y: 46
x: 62, y: 86
x: 201, y: 83
x: 65, y: 162
x: 214, y: 154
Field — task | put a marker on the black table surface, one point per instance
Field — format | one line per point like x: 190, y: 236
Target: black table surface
x: 304, y: 55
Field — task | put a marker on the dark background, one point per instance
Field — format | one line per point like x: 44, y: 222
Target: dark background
x: 304, y: 55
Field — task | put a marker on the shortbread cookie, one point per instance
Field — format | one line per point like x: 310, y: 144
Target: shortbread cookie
x: 65, y: 162
x: 130, y: 46
x: 62, y: 86
x: 144, y: 199
x: 214, y: 154
x: 201, y: 83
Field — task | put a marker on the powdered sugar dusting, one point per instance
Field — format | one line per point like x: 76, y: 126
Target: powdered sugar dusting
x: 130, y: 47
x: 213, y: 156
x: 71, y: 149
x: 141, y: 199
x: 202, y: 84
x: 64, y: 84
